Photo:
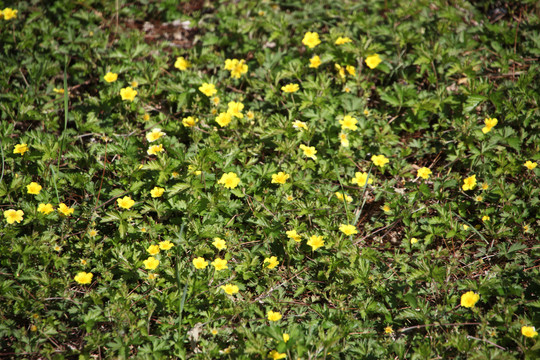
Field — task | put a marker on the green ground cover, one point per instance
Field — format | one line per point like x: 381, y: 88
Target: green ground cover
x: 269, y: 179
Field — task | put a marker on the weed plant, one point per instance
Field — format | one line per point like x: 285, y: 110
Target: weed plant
x: 269, y: 179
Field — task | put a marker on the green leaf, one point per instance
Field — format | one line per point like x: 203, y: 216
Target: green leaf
x: 472, y: 102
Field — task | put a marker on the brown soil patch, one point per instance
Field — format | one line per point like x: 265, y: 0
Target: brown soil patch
x: 177, y: 33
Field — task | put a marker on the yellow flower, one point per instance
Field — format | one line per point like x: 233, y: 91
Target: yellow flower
x: 530, y: 165
x: 289, y: 198
x: 154, y: 135
x: 360, y: 179
x: 45, y: 208
x: 373, y: 61
x: 219, y: 264
x: 157, y: 192
x: 134, y: 84
x: 58, y: 91
x: 33, y: 188
x: 315, y: 242
x: 250, y: 115
x: 110, y: 77
x: 9, y: 13
x: 227, y: 350
x: 126, y: 202
x: 230, y: 289
x: 65, y: 210
x: 146, y: 117
x: 181, y: 63
x: 347, y: 89
x: 291, y: 234
x: 366, y: 112
x: 235, y: 109
x: 424, y: 173
x: 153, y: 249
x: 219, y: 243
x: 341, y: 70
x: 485, y: 218
x: 342, y: 40
x: 215, y: 100
x: 12, y: 215
x: 485, y: 186
x: 20, y: 149
x: 379, y: 160
x: 200, y: 263
x: 478, y: 198
x: 92, y: 232
x: 84, y: 278
x: 386, y: 208
x: 152, y: 276
x: 273, y: 316
x: 276, y: 355
x: 469, y: 299
x: 272, y: 262
x: 239, y: 69
x: 191, y: 169
x: 208, y: 89
x: 286, y: 337
x: 128, y: 93
x: 223, y: 119
x: 155, y: 149
x: 315, y: 62
x: 348, y: 229
x: 348, y: 122
x: 309, y: 151
x: 189, y: 121
x: 229, y: 180
x: 300, y: 125
x: 280, y: 178
x: 236, y: 67
x: 343, y: 197
x: 469, y: 183
x: 388, y: 330
x: 151, y: 263
x: 165, y: 245
x: 465, y: 227
x: 343, y: 140
x: 529, y: 331
x: 229, y: 64
x: 311, y: 39
x: 490, y: 124
x: 351, y: 70
x: 414, y: 240
x: 290, y: 88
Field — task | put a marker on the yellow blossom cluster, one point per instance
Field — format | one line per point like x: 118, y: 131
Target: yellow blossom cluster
x: 224, y: 262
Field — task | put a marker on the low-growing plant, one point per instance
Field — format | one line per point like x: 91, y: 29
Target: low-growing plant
x: 269, y: 179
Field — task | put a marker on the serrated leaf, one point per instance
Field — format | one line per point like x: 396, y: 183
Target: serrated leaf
x: 472, y: 102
